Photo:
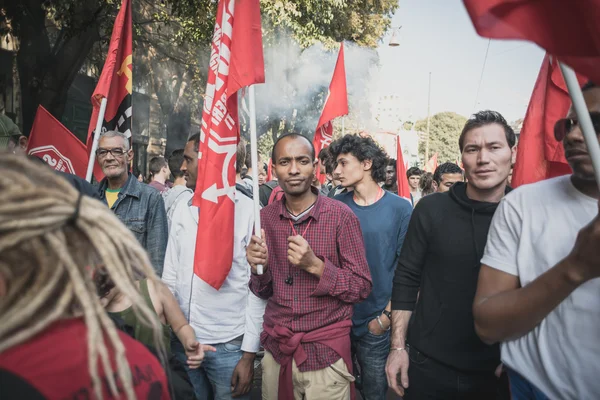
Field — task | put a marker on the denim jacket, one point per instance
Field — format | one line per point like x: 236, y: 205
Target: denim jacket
x: 141, y: 208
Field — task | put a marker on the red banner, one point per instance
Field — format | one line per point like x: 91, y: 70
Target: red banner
x: 567, y: 29
x: 539, y: 155
x: 115, y: 83
x: 432, y: 164
x: 336, y: 105
x: 403, y: 188
x: 56, y: 145
x: 236, y: 61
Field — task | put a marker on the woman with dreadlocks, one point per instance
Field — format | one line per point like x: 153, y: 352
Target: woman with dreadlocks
x: 56, y: 340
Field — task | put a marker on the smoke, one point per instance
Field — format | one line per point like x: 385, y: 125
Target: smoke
x: 297, y: 81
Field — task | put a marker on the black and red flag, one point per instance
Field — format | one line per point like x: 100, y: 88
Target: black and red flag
x: 115, y: 83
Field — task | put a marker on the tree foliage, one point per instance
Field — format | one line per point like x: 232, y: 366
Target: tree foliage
x: 60, y: 37
x: 444, y: 131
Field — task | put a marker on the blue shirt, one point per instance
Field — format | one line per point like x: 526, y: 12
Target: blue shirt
x: 384, y: 225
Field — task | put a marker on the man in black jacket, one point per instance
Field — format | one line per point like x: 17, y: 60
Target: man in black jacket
x: 439, y: 266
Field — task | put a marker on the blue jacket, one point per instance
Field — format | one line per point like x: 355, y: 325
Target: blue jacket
x: 141, y: 208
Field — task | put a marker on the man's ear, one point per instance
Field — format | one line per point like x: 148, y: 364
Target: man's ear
x: 367, y: 164
x: 513, y: 157
x: 23, y: 142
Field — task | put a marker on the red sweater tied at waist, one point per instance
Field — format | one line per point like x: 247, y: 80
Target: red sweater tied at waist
x: 335, y: 336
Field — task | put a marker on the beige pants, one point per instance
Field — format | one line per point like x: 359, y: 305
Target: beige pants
x: 331, y: 383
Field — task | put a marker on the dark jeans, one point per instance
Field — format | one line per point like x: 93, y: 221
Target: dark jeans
x: 370, y: 352
x: 429, y: 380
x: 521, y: 389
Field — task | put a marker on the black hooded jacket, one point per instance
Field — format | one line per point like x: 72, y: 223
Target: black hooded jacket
x: 440, y: 264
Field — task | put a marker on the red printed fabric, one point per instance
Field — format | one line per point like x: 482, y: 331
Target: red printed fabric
x: 335, y: 106
x: 539, y: 155
x: 567, y: 29
x: 403, y: 188
x: 310, y: 303
x: 236, y: 61
x: 55, y: 363
x: 56, y: 145
x: 115, y: 83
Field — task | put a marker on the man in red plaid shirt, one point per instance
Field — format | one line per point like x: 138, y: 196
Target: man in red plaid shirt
x: 315, y: 269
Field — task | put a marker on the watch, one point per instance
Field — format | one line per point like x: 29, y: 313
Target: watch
x: 387, y: 314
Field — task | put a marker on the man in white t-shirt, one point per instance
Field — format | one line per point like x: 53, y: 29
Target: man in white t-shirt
x: 538, y: 291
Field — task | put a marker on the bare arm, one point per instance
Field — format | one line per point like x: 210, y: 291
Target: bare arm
x: 398, y: 362
x: 503, y: 310
x: 175, y: 318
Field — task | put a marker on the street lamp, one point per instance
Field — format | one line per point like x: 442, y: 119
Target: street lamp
x: 395, y: 39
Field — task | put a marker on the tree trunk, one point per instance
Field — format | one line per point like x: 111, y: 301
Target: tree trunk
x: 45, y: 72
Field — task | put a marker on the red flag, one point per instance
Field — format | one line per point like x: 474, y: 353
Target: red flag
x: 270, y: 170
x: 236, y: 61
x: 539, y: 155
x: 336, y: 105
x: 115, y: 83
x: 55, y: 144
x: 432, y: 164
x: 566, y: 29
x: 403, y: 188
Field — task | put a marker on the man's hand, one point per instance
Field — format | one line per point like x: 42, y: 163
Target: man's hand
x: 301, y: 256
x: 243, y: 374
x: 257, y: 252
x: 583, y: 259
x: 397, y: 367
x: 195, y: 353
x: 375, y: 328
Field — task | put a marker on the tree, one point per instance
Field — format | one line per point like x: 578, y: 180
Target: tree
x: 58, y: 37
x: 444, y: 131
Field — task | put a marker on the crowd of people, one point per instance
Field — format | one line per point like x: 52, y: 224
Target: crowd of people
x: 463, y: 291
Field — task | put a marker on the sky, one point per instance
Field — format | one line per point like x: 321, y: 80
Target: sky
x: 437, y: 36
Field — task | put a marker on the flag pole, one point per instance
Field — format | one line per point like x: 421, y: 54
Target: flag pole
x: 97, y: 131
x: 583, y: 115
x: 343, y: 127
x: 254, y: 151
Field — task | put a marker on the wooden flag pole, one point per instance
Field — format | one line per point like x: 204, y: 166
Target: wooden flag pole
x: 583, y: 115
x: 97, y: 131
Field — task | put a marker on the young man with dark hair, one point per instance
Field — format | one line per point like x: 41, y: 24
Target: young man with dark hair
x: 447, y: 175
x: 538, y: 290
x: 384, y: 220
x: 314, y: 270
x: 391, y: 177
x: 138, y: 206
x: 159, y: 173
x: 229, y: 319
x: 179, y: 191
x: 414, y: 178
x: 442, y: 357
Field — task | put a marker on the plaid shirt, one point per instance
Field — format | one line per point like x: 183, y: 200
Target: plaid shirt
x: 311, y: 303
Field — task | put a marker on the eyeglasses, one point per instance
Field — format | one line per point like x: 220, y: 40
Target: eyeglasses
x: 116, y: 152
x: 564, y: 126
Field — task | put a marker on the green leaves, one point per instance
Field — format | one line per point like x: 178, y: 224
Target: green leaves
x: 444, y: 131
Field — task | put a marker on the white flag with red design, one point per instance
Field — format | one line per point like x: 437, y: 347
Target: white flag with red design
x: 236, y: 61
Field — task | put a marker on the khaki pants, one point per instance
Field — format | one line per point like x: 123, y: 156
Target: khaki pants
x: 331, y: 383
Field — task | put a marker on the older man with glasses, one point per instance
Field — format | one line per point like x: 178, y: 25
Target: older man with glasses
x: 137, y: 205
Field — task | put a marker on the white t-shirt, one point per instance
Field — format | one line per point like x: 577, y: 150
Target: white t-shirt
x: 533, y: 229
